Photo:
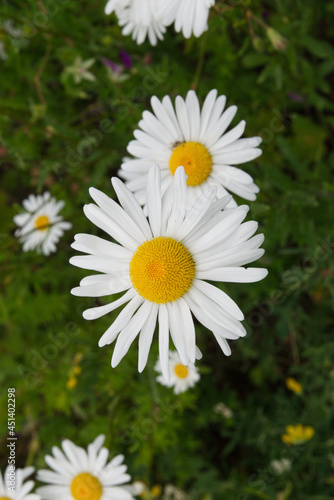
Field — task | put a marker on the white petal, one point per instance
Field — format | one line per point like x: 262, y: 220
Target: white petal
x: 101, y: 264
x: 193, y: 110
x: 197, y: 212
x: 154, y: 200
x: 188, y: 329
x: 182, y: 116
x: 104, y: 222
x: 176, y: 330
x: 220, y: 297
x: 117, y: 214
x: 163, y: 319
x: 234, y: 274
x: 130, y: 332
x: 103, y: 288
x: 234, y: 259
x: 223, y: 345
x: 229, y: 138
x: 220, y: 231
x: 122, y: 319
x: 146, y: 336
x: 97, y: 312
x: 94, y: 245
x: 179, y: 202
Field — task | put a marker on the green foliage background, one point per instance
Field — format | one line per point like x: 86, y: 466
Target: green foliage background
x: 285, y: 95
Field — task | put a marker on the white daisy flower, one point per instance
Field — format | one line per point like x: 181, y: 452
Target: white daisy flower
x: 181, y: 377
x: 162, y: 264
x: 84, y: 475
x: 195, y: 139
x: 13, y: 485
x: 139, y: 18
x: 188, y: 16
x: 281, y: 466
x: 40, y: 226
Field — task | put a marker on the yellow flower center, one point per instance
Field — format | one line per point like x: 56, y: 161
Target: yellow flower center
x: 181, y: 371
x: 162, y: 270
x: 4, y: 498
x: 196, y: 160
x: 86, y: 487
x: 42, y: 223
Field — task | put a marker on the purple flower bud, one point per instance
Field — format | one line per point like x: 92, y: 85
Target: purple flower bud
x: 126, y: 59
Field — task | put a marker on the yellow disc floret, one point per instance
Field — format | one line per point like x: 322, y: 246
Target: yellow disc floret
x: 196, y: 160
x: 42, y: 223
x: 162, y: 270
x: 86, y: 487
x: 181, y: 371
x: 4, y: 498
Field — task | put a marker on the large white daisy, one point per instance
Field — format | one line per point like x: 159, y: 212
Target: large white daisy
x: 188, y: 16
x: 181, y: 377
x: 194, y: 138
x: 139, y: 18
x: 15, y: 478
x: 40, y: 226
x: 162, y: 264
x: 84, y: 475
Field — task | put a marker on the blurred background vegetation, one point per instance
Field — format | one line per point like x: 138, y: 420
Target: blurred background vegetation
x: 63, y: 130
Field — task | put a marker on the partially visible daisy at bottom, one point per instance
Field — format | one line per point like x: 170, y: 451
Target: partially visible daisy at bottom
x: 13, y: 486
x: 181, y: 377
x: 84, y: 475
x: 40, y: 226
x: 162, y: 264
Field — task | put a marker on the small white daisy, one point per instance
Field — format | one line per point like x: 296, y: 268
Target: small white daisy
x: 40, y: 226
x: 181, y: 377
x: 188, y: 16
x: 14, y: 478
x: 139, y: 18
x: 84, y: 475
x: 195, y: 139
x: 162, y: 264
x: 281, y: 466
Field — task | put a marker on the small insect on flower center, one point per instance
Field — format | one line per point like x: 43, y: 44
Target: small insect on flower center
x: 162, y: 270
x: 86, y: 487
x: 196, y: 160
x: 181, y: 371
x: 42, y: 222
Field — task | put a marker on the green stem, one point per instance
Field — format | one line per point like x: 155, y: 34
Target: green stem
x: 200, y: 63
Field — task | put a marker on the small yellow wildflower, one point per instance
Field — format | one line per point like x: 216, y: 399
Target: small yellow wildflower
x: 294, y: 385
x: 77, y: 370
x: 156, y: 490
x: 298, y: 434
x: 71, y: 383
x: 77, y: 358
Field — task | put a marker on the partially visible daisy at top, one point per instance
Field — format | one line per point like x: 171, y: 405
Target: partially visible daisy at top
x: 13, y: 486
x: 84, y: 475
x: 188, y: 16
x: 181, y: 377
x: 40, y: 226
x: 196, y: 139
x: 139, y: 18
x: 162, y: 264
